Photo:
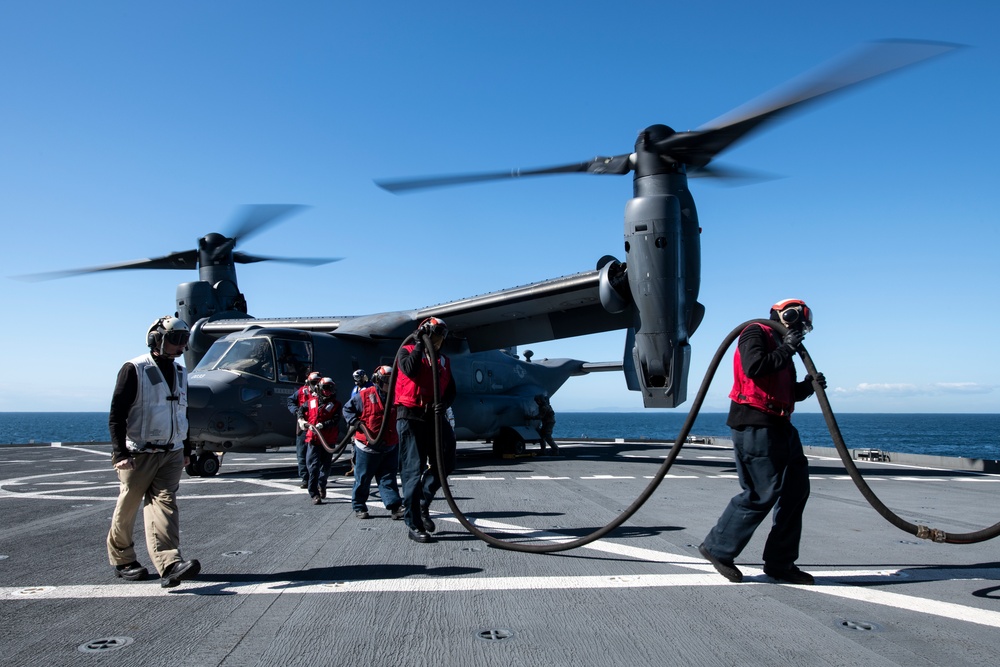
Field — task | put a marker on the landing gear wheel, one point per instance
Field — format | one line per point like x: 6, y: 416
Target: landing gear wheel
x: 208, y: 465
x: 192, y: 467
x: 508, y: 442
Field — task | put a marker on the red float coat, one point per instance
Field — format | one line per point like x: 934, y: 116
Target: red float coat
x: 325, y: 411
x: 373, y: 407
x: 774, y: 393
x: 419, y: 392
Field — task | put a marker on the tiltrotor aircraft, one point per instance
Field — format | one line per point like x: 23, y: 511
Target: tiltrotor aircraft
x: 244, y: 369
x: 249, y: 366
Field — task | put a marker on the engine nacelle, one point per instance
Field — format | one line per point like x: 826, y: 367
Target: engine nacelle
x: 663, y: 258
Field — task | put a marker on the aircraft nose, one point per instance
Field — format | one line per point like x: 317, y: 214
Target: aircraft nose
x: 198, y: 396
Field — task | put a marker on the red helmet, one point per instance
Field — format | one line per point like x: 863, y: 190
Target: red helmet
x: 313, y: 379
x: 435, y: 326
x: 792, y: 312
x: 381, y: 374
x: 327, y: 387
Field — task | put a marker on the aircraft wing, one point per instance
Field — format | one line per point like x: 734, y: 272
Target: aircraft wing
x: 548, y: 310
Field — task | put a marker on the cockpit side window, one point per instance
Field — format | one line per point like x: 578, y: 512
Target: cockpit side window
x: 295, y: 359
x: 213, y: 355
x: 249, y: 355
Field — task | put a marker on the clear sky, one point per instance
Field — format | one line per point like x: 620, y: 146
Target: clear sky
x: 130, y: 129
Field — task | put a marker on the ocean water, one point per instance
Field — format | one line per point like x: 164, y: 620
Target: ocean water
x: 975, y: 436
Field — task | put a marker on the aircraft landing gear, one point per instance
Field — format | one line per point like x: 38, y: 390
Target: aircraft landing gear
x: 206, y: 464
x: 507, y: 442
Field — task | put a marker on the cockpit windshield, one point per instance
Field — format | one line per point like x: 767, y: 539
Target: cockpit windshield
x: 255, y: 356
x: 249, y: 355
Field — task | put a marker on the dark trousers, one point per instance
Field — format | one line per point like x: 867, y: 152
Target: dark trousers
x: 774, y: 474
x: 318, y: 462
x: 416, y: 449
x: 380, y: 466
x: 300, y: 455
x: 545, y: 433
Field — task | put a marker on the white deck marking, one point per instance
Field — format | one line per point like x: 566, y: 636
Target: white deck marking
x: 843, y: 590
x: 705, y: 577
x: 827, y: 581
x: 541, y: 477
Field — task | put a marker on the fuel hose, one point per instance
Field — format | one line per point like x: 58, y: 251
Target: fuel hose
x: 923, y: 532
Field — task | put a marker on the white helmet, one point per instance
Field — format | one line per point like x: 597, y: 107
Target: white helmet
x: 167, y: 329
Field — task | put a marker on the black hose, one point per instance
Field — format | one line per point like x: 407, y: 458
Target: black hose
x: 336, y: 450
x: 923, y: 532
x: 919, y: 531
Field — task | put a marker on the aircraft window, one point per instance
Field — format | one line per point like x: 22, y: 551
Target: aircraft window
x: 294, y: 359
x: 214, y: 353
x: 249, y: 355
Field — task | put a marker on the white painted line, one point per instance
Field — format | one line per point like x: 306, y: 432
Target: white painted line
x: 670, y: 475
x: 861, y: 594
x: 541, y: 477
x: 415, y: 585
x: 83, y: 449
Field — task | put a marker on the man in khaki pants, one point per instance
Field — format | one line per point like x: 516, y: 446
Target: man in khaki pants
x: 149, y: 426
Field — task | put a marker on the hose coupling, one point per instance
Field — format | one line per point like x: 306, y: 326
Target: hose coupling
x: 933, y: 534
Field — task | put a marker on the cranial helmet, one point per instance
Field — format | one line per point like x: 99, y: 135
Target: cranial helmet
x: 360, y: 377
x: 167, y: 329
x: 381, y: 374
x: 327, y: 387
x: 313, y: 379
x: 436, y: 326
x: 793, y: 313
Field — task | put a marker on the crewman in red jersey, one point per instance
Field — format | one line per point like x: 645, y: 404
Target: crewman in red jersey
x: 323, y: 414
x: 298, y: 402
x: 416, y: 415
x: 375, y: 457
x: 773, y: 471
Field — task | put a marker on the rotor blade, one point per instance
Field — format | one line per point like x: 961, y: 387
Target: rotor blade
x: 731, y: 175
x: 250, y: 220
x: 178, y: 260
x: 618, y: 164
x: 699, y: 147
x: 244, y: 258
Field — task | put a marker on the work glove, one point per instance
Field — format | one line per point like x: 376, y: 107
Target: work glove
x: 303, y: 425
x: 819, y: 378
x: 792, y: 339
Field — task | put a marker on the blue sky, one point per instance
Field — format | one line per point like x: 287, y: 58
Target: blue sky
x: 130, y: 130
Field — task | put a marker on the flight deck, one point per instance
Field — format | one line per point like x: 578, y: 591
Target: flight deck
x: 285, y: 582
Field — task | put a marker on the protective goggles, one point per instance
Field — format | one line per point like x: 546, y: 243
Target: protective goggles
x: 796, y: 317
x: 177, y: 337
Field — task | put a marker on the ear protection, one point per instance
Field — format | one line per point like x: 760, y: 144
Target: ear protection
x: 151, y: 338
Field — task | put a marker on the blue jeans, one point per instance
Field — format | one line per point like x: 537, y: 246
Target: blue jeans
x: 773, y: 473
x: 300, y: 455
x: 416, y: 449
x: 380, y: 466
x: 318, y: 462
